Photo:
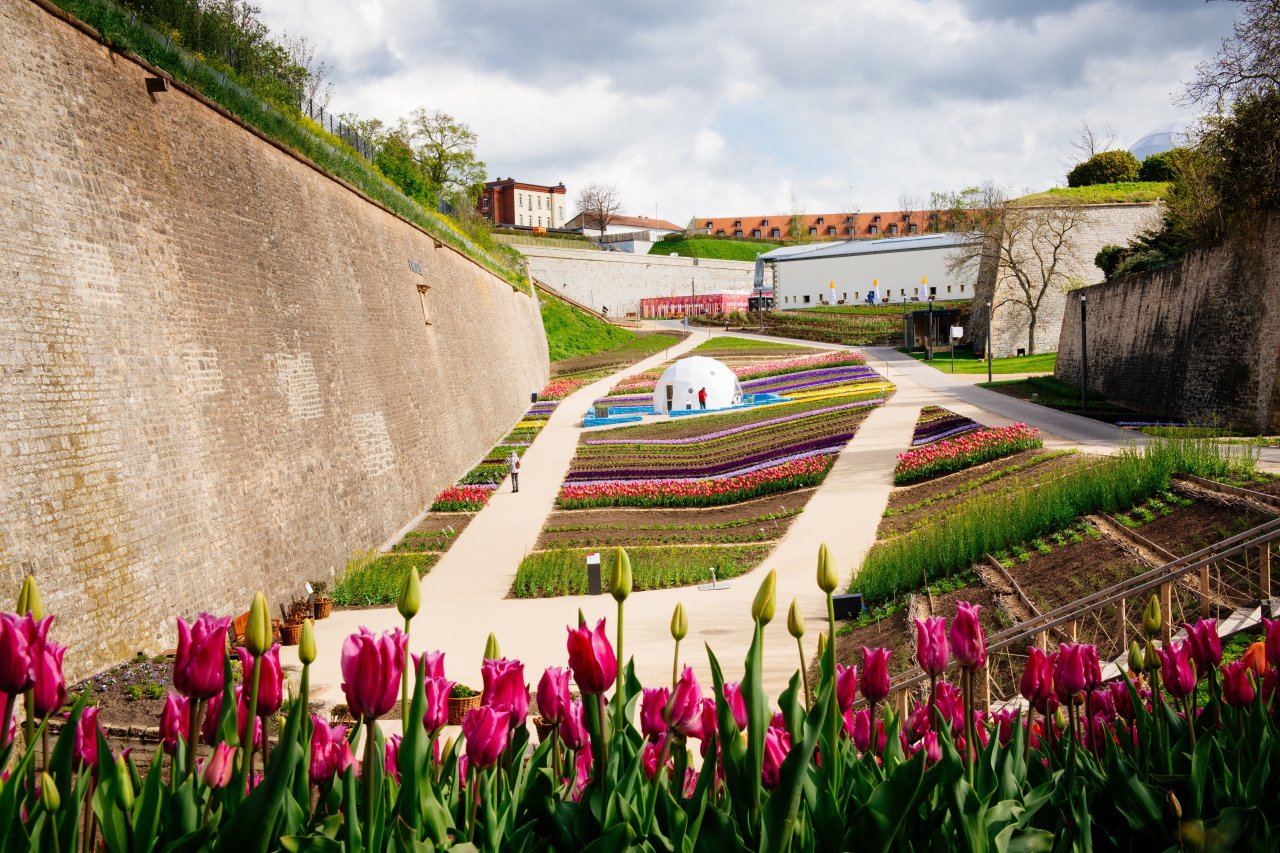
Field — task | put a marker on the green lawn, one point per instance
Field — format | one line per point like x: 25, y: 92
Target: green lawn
x: 1050, y: 392
x: 1125, y: 192
x: 967, y: 362
x: 572, y: 332
x: 712, y: 247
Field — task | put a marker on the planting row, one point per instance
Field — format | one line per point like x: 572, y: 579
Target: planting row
x: 563, y: 571
x: 956, y: 454
x: 936, y: 423
x: 645, y: 382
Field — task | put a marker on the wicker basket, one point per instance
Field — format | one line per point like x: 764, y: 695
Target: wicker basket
x: 290, y: 633
x: 324, y: 606
x: 459, y: 706
x: 543, y: 728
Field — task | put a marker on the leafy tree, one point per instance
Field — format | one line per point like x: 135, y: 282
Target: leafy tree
x: 398, y: 161
x: 445, y: 149
x: 1106, y: 167
x: 1158, y: 167
x: 599, y: 204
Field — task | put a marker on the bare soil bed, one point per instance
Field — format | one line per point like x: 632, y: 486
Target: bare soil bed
x: 436, y: 532
x: 1192, y: 528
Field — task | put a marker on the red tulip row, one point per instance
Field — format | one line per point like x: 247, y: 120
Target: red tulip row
x: 794, y: 474
x: 956, y: 454
x: 462, y: 499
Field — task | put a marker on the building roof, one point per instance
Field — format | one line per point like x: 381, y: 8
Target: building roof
x: 845, y: 224
x: 866, y: 247
x: 636, y: 222
x: 523, y: 185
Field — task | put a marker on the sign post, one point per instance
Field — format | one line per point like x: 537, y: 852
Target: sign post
x: 593, y: 574
x: 957, y: 332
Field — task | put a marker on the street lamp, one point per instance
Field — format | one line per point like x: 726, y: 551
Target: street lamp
x: 1084, y: 359
x: 989, y: 309
x: 931, y: 332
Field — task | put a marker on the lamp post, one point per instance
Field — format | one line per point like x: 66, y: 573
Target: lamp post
x: 989, y: 310
x: 1084, y: 359
x: 931, y: 334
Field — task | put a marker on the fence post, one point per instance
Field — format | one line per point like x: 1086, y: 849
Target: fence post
x: 1166, y: 612
x: 902, y: 704
x: 1073, y: 628
x: 1122, y: 624
x: 1204, y: 591
x: 1264, y: 570
x: 986, y: 687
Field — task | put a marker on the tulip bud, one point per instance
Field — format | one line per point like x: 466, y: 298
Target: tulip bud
x: 124, y: 779
x: 620, y: 584
x: 582, y: 619
x: 795, y: 622
x: 1151, y: 617
x: 1136, y: 662
x: 822, y: 644
x: 49, y: 793
x: 828, y: 577
x: 491, y: 651
x: 766, y: 599
x: 29, y: 599
x: 1175, y: 807
x: 679, y: 623
x: 307, y: 644
x: 257, y: 636
x: 1151, y: 657
x: 410, y: 595
x: 1060, y: 718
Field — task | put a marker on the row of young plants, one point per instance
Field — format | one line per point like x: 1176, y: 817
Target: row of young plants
x: 993, y: 523
x: 1129, y: 765
x: 563, y: 571
x: 977, y: 483
x: 936, y: 423
x: 964, y: 451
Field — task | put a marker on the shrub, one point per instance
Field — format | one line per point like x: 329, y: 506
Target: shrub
x: 1108, y: 258
x: 1159, y: 167
x: 1106, y: 167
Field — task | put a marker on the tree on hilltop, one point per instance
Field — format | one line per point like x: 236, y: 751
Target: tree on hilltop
x: 445, y: 149
x: 599, y: 204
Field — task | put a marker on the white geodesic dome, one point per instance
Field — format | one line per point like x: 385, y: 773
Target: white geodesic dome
x: 1163, y: 138
x: 678, y: 388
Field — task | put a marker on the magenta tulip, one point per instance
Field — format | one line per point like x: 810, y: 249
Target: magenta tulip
x: 1092, y: 666
x: 932, y: 751
x: 950, y: 703
x: 1206, y: 646
x: 430, y: 664
x: 653, y: 707
x: 874, y: 683
x: 918, y: 722
x: 486, y: 731
x: 505, y: 688
x: 1237, y: 685
x: 1003, y: 720
x: 846, y: 686
x: 22, y: 640
x: 219, y: 765
x: 86, y: 742
x: 371, y: 669
x: 858, y: 725
x: 391, y: 762
x: 202, y: 648
x: 592, y: 660
x: 737, y: 705
x: 931, y: 645
x: 1176, y: 670
x: 968, y: 641
x: 212, y: 720
x: 1272, y: 643
x: 328, y: 745
x: 572, y: 729
x: 684, y: 709
x: 553, y: 694
x: 436, y: 693
x: 175, y: 721
x: 708, y: 725
x: 1037, y: 678
x: 1121, y: 699
x: 1070, y: 673
x: 50, y: 690
x: 777, y: 743
x: 649, y: 759
x: 270, y: 679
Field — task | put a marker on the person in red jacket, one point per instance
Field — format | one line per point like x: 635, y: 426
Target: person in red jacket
x: 702, y: 398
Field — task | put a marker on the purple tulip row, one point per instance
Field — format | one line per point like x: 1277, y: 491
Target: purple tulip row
x: 824, y: 446
x: 711, y: 436
x: 942, y: 428
x: 809, y: 379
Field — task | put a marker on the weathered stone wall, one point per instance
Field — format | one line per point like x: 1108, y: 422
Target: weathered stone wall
x: 620, y: 280
x: 1106, y: 224
x: 1195, y: 342
x: 215, y: 375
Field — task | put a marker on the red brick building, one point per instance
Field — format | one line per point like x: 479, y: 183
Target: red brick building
x: 514, y: 203
x: 834, y: 226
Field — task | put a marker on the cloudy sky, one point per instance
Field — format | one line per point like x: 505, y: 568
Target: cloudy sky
x: 724, y: 108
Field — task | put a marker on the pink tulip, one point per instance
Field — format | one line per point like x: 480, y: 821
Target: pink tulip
x: 572, y: 730
x: 968, y: 641
x: 1070, y: 673
x: 202, y: 649
x: 86, y: 743
x: 50, y: 690
x: 931, y: 645
x: 932, y: 751
x: 212, y: 719
x: 218, y: 766
x: 918, y: 722
x: 875, y: 674
x: 371, y: 669
x: 1270, y: 684
x: 653, y: 706
x: 649, y: 759
x: 430, y: 664
x: 846, y: 686
x: 505, y: 688
x: 328, y: 745
x: 270, y: 679
x: 1092, y: 667
x: 553, y: 694
x: 1206, y: 647
x: 1176, y: 670
x: 582, y: 774
x: 436, y: 693
x: 684, y: 710
x: 175, y: 721
x: 708, y: 726
x: 22, y: 640
x: 777, y: 743
x: 858, y: 725
x: 1037, y: 678
x: 1004, y: 724
x: 737, y: 705
x: 1272, y: 642
x: 950, y: 703
x: 1121, y: 700
x: 1237, y: 685
x: 486, y: 731
x: 391, y: 762
x: 591, y: 658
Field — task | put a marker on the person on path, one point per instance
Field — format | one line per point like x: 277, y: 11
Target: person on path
x: 702, y: 398
x: 513, y: 462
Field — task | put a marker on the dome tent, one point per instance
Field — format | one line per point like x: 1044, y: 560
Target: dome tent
x: 1163, y: 138
x: 678, y: 388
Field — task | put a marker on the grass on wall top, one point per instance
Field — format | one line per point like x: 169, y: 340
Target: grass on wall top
x: 1124, y: 192
x: 712, y: 247
x: 571, y: 332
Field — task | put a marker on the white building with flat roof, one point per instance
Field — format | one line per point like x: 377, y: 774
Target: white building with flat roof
x: 851, y: 271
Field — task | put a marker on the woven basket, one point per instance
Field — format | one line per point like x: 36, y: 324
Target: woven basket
x: 324, y: 606
x: 290, y: 633
x: 459, y: 706
x: 543, y: 728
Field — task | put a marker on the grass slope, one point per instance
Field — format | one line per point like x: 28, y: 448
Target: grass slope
x: 571, y: 332
x: 712, y: 247
x: 1125, y: 192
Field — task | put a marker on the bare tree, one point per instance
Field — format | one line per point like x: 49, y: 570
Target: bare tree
x: 317, y: 89
x: 1087, y: 142
x: 795, y: 222
x: 599, y: 204
x: 1030, y: 251
x: 909, y: 206
x: 1248, y: 63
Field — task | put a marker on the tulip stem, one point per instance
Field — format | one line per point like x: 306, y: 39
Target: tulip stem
x: 29, y: 700
x: 44, y: 745
x: 370, y: 757
x: 804, y: 676
x: 246, y: 764
x: 1031, y: 722
x: 833, y: 711
x: 404, y: 682
x: 602, y: 749
x: 675, y: 666
x: 193, y: 734
x: 968, y: 722
x: 473, y: 794
x: 618, y: 691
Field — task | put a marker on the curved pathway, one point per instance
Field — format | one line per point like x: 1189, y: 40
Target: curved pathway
x: 466, y: 595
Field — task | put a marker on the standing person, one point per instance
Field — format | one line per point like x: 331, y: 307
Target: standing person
x: 702, y: 398
x: 513, y: 462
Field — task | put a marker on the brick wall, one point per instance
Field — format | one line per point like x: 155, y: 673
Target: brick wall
x: 1195, y: 342
x: 1106, y: 224
x: 215, y: 375
x: 620, y: 280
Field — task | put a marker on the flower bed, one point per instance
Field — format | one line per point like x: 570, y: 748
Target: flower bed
x: 703, y: 492
x: 468, y: 498
x: 563, y: 571
x: 956, y: 454
x: 936, y: 424
x: 558, y: 389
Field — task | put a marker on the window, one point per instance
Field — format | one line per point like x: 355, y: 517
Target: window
x: 764, y: 222
x: 812, y: 230
x: 875, y: 218
x: 855, y: 294
x: 521, y: 219
x: 933, y: 291
x: 755, y: 232
x: 539, y: 221
x: 821, y: 221
x: 948, y: 288
x: 519, y: 200
x: 962, y: 288
x: 539, y: 202
x: 719, y: 232
x: 806, y: 299
x: 737, y: 232
x: 902, y: 293
x: 737, y: 223
x: 911, y: 229
x: 560, y: 213
x: 774, y: 232
x: 844, y: 297
x: 893, y: 229
x: 873, y: 230
x: 831, y: 231
x: 710, y: 223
